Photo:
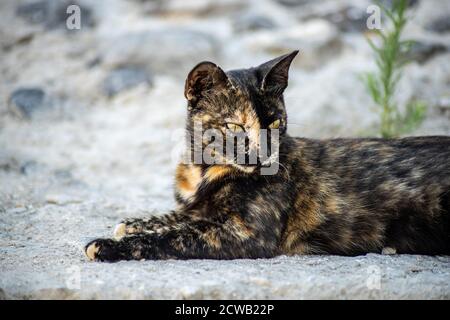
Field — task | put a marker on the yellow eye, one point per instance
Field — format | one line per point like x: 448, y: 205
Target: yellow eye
x: 275, y: 124
x: 235, y: 127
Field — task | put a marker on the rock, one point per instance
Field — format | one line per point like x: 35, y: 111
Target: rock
x: 29, y: 167
x: 440, y: 25
x: 168, y: 51
x: 8, y: 163
x: 347, y: 16
x: 35, y: 12
x: 62, y: 174
x: 24, y: 167
x: 25, y: 102
x: 423, y: 51
x: 252, y: 22
x: 317, y: 40
x: 53, y: 14
x: 293, y: 3
x: 349, y: 19
x: 191, y: 7
x: 124, y: 78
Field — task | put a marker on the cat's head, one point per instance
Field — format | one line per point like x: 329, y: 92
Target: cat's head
x: 246, y: 102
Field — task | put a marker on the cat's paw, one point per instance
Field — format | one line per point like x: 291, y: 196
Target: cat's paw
x: 389, y: 251
x: 120, y: 231
x: 123, y: 229
x: 102, y: 250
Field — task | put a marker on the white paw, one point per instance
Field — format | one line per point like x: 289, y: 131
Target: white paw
x: 91, y: 251
x: 388, y: 250
x: 120, y: 231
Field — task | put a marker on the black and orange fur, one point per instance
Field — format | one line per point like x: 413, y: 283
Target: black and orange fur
x: 339, y: 196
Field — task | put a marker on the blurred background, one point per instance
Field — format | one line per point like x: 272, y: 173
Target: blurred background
x: 90, y: 118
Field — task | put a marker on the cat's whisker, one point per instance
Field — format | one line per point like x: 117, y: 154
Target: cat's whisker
x: 298, y: 124
x: 284, y: 167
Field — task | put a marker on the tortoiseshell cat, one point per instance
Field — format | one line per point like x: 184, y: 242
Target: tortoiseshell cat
x: 339, y: 196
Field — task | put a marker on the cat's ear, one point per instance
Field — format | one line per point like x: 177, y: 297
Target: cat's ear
x: 276, y: 73
x: 204, y: 77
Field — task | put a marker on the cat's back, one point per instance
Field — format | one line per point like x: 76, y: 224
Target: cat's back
x: 426, y: 157
x: 373, y: 192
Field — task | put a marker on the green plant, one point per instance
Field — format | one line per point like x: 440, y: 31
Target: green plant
x: 381, y: 84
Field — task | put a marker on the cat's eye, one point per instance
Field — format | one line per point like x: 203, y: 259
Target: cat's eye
x: 275, y: 124
x: 235, y: 127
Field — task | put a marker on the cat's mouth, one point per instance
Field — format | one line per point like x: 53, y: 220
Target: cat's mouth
x: 250, y: 168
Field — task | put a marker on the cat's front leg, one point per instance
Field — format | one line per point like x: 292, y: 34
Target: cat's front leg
x: 131, y: 226
x: 195, y: 240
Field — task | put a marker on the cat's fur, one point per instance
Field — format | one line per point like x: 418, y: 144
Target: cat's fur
x: 339, y: 196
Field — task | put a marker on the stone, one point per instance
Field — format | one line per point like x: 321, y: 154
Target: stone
x: 293, y: 3
x: 317, y: 40
x: 29, y: 167
x: 421, y: 51
x: 24, y: 102
x: 349, y: 19
x: 124, y: 78
x: 167, y: 51
x: 34, y: 12
x: 252, y: 22
x: 191, y: 8
x: 440, y: 25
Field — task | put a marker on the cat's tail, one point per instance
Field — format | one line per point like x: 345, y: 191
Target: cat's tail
x: 445, y: 206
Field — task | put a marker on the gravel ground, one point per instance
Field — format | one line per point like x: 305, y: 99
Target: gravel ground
x: 91, y: 123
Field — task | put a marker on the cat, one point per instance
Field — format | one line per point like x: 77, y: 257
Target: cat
x: 337, y: 196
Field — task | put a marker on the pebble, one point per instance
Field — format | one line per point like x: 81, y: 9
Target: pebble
x: 124, y: 78
x: 24, y: 102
